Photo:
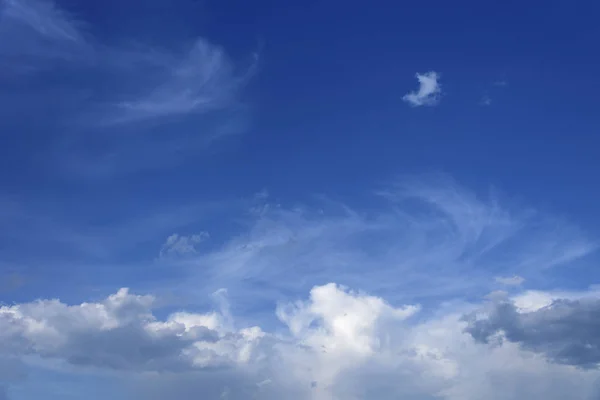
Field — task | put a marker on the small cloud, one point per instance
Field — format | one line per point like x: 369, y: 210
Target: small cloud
x: 182, y: 245
x: 500, y: 83
x: 264, y: 383
x: 486, y: 100
x: 497, y: 295
x: 429, y: 90
x: 510, y: 280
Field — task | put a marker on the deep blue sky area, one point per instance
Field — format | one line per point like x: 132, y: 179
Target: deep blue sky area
x: 326, y: 108
x: 271, y: 147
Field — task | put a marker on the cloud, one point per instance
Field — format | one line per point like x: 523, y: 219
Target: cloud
x: 118, y: 333
x: 486, y: 101
x: 126, y: 107
x: 510, y: 280
x: 324, y: 300
x: 43, y: 17
x: 337, y: 343
x: 200, y: 81
x: 418, y: 241
x: 182, y: 245
x: 429, y: 90
x: 35, y: 33
x: 566, y: 331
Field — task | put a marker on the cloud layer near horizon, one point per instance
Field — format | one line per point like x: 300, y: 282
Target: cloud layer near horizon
x: 338, y: 343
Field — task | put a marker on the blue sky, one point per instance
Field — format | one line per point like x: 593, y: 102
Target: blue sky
x: 285, y: 186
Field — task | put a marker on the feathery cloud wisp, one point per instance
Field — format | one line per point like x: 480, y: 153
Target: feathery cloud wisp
x: 194, y: 91
x: 36, y: 34
x: 429, y: 90
x: 514, y: 280
x: 420, y: 242
x: 182, y: 245
x: 201, y: 81
x: 43, y: 17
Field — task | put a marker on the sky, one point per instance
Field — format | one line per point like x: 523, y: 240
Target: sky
x: 299, y: 200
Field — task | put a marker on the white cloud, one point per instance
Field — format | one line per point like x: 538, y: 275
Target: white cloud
x: 201, y: 80
x: 514, y: 280
x: 336, y: 344
x: 429, y: 90
x: 418, y: 242
x: 121, y: 333
x: 181, y: 245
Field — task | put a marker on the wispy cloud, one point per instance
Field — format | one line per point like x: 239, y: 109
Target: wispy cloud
x: 514, y: 280
x: 486, y: 100
x: 44, y: 18
x: 202, y: 80
x: 36, y: 33
x: 182, y: 245
x: 424, y: 237
x: 429, y: 90
x: 153, y: 108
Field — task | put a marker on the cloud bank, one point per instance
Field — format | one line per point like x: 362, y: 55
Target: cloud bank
x: 337, y: 343
x: 330, y: 300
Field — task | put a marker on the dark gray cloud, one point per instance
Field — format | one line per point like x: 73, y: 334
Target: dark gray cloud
x: 566, y: 332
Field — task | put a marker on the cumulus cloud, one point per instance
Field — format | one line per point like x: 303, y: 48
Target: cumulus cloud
x: 429, y: 90
x: 566, y: 331
x: 337, y: 343
x: 181, y: 244
x: 514, y: 280
x: 120, y: 333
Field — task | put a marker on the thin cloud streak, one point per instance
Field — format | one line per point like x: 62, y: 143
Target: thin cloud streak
x: 143, y: 91
x: 43, y: 17
x: 201, y: 81
x: 36, y: 35
x: 514, y: 280
x: 422, y: 242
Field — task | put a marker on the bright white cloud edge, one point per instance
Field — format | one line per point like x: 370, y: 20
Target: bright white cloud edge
x: 338, y: 343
